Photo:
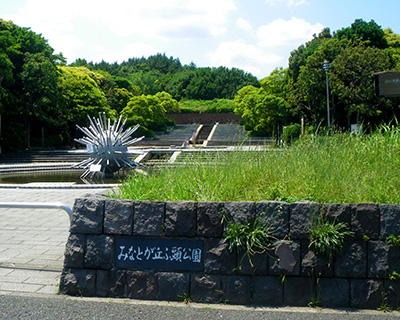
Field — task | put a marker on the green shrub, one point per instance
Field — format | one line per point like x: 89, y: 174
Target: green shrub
x: 207, y: 106
x: 291, y: 133
x: 149, y: 111
x: 170, y: 122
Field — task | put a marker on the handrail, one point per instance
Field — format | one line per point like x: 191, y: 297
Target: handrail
x: 38, y: 205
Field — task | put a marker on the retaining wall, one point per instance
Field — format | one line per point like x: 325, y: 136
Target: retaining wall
x: 290, y: 274
x: 204, y: 118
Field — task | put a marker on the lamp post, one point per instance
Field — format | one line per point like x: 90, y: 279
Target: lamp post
x: 326, y: 66
x: 1, y: 79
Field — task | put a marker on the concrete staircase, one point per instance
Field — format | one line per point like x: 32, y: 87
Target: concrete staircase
x: 204, y: 133
x: 40, y: 156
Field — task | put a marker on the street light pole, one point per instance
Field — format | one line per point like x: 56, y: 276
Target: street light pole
x: 1, y: 79
x: 326, y: 68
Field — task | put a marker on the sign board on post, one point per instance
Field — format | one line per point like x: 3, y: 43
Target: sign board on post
x: 355, y: 128
x: 387, y: 84
x: 159, y: 254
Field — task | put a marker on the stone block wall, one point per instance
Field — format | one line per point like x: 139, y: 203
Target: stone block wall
x: 291, y: 274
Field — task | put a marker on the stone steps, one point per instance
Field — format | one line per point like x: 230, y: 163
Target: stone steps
x: 204, y: 133
x: 42, y: 157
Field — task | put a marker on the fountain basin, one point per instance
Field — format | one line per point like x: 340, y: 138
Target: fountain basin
x: 52, y: 176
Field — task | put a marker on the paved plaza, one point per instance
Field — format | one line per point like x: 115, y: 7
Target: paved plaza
x: 32, y: 241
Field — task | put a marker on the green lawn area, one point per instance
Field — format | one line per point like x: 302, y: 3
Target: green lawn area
x: 337, y: 168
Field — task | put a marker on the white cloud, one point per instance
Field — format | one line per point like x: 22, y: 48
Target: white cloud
x: 244, y: 25
x: 95, y: 26
x: 120, y: 29
x: 287, y: 33
x: 150, y: 18
x: 289, y: 3
x: 245, y: 56
x: 172, y: 19
x: 135, y: 49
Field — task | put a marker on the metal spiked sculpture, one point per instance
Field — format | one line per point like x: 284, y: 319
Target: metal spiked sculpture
x: 108, y: 146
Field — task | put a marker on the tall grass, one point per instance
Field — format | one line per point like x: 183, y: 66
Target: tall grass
x: 338, y: 168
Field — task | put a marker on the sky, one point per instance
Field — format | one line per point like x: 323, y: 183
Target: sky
x: 256, y: 36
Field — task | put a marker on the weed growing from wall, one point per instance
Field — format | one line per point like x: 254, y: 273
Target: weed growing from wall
x: 393, y: 241
x: 185, y: 298
x: 384, y: 305
x: 394, y: 276
x: 250, y: 238
x: 327, y: 237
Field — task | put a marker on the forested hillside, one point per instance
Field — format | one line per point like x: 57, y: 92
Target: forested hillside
x: 42, y: 99
x: 160, y: 73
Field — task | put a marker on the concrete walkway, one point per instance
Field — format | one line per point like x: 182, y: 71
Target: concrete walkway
x: 32, y: 241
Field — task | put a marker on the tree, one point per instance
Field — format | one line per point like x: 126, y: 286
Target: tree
x: 308, y: 87
x: 393, y: 40
x: 117, y: 90
x: 298, y: 57
x: 124, y: 83
x: 159, y: 73
x: 81, y: 96
x: 208, y: 83
x: 352, y: 83
x: 79, y: 63
x: 6, y: 78
x: 119, y: 98
x: 149, y: 82
x: 149, y: 111
x: 229, y: 81
x: 264, y: 109
x: 39, y: 96
x: 7, y: 49
x: 163, y: 64
x: 27, y: 87
x: 276, y: 87
x: 249, y: 105
x: 178, y: 84
x: 308, y: 94
x: 169, y: 104
x: 202, y: 85
x: 368, y: 32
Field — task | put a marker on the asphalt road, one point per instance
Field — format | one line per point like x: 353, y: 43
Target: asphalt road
x: 63, y: 307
